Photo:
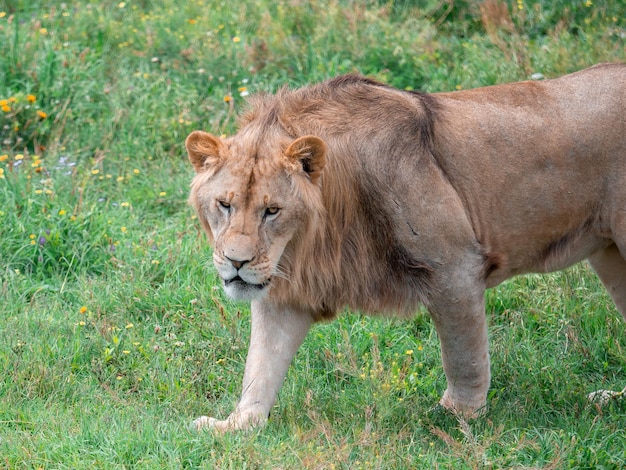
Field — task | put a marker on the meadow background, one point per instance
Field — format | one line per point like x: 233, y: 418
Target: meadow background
x: 113, y: 332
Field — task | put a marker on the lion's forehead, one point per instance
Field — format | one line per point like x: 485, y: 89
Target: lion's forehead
x: 254, y: 184
x: 256, y: 143
x: 262, y: 154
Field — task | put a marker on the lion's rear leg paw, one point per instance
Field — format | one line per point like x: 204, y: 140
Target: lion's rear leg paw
x: 206, y: 422
x: 604, y: 397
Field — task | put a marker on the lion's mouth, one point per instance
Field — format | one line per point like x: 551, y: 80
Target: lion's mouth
x: 238, y: 281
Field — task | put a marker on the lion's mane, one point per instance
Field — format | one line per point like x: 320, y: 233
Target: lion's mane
x: 325, y: 268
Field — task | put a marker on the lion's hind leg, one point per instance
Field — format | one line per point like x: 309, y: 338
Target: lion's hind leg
x: 610, y: 266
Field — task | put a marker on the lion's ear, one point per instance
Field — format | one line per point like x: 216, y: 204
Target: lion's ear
x: 203, y: 149
x: 310, y: 151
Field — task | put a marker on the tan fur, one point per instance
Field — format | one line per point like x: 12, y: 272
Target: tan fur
x: 353, y: 194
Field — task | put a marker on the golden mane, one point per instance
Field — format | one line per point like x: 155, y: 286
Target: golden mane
x: 348, y: 255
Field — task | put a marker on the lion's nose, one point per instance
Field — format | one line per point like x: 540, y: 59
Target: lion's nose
x: 237, y: 264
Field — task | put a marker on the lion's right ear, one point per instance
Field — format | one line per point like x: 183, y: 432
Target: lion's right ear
x: 203, y: 150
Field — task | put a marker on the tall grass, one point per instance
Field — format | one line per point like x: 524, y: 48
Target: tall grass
x: 113, y: 334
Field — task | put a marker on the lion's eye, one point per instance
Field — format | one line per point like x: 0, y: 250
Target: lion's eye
x: 225, y: 206
x: 272, y: 211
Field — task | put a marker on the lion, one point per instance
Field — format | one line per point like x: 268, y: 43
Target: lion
x: 352, y: 194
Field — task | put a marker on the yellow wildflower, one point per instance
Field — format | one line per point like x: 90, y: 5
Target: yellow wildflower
x: 31, y: 98
x: 83, y: 309
x: 5, y: 108
x: 4, y: 157
x: 41, y: 114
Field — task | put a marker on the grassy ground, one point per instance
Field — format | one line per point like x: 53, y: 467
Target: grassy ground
x: 113, y: 335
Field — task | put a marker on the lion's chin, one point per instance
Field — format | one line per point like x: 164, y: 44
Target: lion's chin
x: 238, y: 289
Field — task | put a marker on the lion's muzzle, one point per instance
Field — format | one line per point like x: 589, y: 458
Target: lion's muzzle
x: 239, y: 289
x: 242, y: 280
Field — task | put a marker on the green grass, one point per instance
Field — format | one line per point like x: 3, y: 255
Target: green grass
x: 113, y: 336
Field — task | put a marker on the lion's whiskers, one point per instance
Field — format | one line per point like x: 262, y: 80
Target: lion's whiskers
x: 281, y: 273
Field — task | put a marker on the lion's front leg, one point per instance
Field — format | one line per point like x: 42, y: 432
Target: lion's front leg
x: 276, y: 335
x: 460, y: 320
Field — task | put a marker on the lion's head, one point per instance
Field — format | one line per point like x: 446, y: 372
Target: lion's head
x: 290, y: 210
x: 252, y: 200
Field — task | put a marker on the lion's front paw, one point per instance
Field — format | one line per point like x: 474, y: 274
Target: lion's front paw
x: 468, y: 409
x: 235, y: 422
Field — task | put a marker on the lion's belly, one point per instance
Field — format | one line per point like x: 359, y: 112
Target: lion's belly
x: 556, y: 256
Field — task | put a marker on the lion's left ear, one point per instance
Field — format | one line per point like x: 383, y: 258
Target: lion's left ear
x: 310, y: 151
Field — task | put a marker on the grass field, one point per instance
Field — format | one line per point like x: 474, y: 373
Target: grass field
x: 114, y: 333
